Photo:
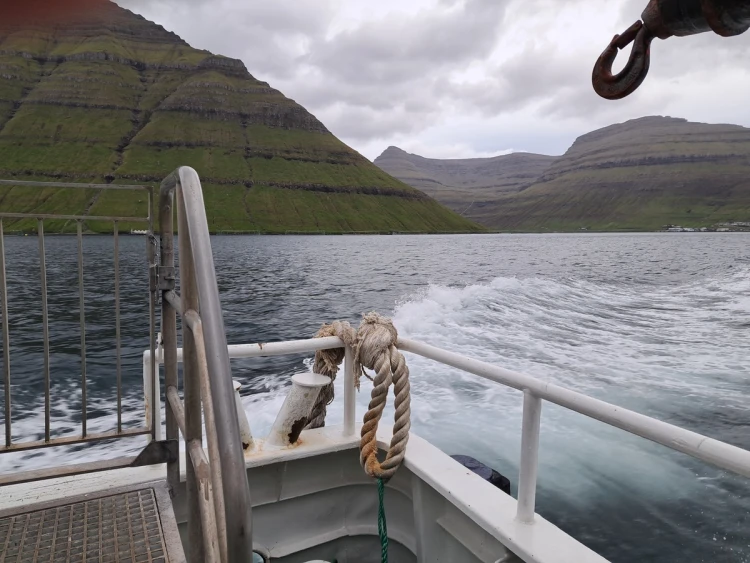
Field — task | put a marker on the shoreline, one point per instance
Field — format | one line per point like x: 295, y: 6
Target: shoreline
x: 394, y: 233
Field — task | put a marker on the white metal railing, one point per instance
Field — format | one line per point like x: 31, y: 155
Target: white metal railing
x: 714, y: 452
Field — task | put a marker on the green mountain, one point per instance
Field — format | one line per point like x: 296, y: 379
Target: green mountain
x: 470, y: 186
x: 638, y: 175
x: 92, y: 92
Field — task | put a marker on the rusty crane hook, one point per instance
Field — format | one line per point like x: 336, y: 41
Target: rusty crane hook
x: 616, y: 86
x: 664, y: 19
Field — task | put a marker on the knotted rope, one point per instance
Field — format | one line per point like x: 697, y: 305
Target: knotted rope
x: 327, y: 363
x: 376, y: 350
x: 374, y: 347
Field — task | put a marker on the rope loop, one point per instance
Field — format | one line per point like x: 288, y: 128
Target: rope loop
x: 374, y: 345
x: 376, y: 350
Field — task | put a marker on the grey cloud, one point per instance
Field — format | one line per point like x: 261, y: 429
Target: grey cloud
x: 395, y: 48
x: 389, y: 70
x: 559, y: 85
x: 278, y: 16
x: 412, y: 94
x: 265, y: 35
x: 389, y: 75
x: 363, y: 124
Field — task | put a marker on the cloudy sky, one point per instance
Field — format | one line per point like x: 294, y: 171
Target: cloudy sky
x: 459, y: 78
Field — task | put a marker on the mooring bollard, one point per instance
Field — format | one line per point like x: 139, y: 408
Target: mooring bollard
x: 295, y: 411
x: 245, y: 435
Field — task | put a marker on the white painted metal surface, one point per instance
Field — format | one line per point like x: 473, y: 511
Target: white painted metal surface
x: 292, y: 417
x: 512, y: 523
x: 245, y: 434
x: 273, y: 348
x: 149, y: 392
x: 527, y: 469
x: 317, y: 495
x: 350, y: 401
x: 707, y: 449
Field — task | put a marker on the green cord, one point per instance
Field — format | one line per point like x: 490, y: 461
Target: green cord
x: 382, y: 527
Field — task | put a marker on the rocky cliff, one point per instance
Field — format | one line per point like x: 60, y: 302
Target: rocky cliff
x: 92, y: 92
x: 468, y: 186
x: 638, y: 175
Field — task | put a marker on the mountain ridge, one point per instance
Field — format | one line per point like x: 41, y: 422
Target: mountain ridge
x: 469, y: 186
x: 641, y: 174
x: 107, y: 95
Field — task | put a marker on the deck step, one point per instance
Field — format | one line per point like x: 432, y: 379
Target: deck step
x: 118, y: 528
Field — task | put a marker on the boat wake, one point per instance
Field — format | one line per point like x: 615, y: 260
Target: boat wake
x: 677, y: 353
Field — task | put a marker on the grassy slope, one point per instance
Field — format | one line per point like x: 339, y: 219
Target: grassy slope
x: 470, y: 186
x: 639, y: 175
x: 266, y: 163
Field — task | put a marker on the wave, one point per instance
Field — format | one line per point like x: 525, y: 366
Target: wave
x: 675, y: 352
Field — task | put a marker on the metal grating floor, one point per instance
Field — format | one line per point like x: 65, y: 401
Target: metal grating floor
x: 122, y: 528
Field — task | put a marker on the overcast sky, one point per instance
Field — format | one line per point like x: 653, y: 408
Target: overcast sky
x: 460, y: 78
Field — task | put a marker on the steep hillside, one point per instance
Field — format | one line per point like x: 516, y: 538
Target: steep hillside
x: 92, y: 92
x: 468, y: 186
x: 640, y: 175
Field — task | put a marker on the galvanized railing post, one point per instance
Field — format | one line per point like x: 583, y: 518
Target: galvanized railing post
x: 192, y: 320
x: 234, y: 471
x: 190, y: 385
x: 82, y: 318
x: 45, y: 328
x: 168, y: 329
x: 527, y: 473
x: 350, y: 401
x: 6, y: 337
x: 118, y: 359
x: 153, y: 289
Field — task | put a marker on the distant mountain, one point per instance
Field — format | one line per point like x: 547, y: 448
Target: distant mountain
x: 469, y: 186
x: 638, y: 175
x: 90, y: 91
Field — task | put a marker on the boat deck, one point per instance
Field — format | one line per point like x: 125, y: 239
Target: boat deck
x: 130, y: 525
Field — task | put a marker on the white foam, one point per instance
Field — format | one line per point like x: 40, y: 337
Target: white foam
x: 643, y: 348
x: 664, y: 351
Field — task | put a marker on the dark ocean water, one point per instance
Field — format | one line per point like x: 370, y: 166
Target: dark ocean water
x: 654, y: 322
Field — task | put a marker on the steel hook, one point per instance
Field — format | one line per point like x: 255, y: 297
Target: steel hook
x: 625, y: 82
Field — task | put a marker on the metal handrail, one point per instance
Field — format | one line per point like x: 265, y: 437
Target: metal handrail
x: 200, y: 295
x: 193, y: 321
x: 210, y: 547
x: 216, y: 530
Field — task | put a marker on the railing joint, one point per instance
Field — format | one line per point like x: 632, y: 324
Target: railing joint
x: 173, y: 299
x: 156, y: 452
x: 165, y: 278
